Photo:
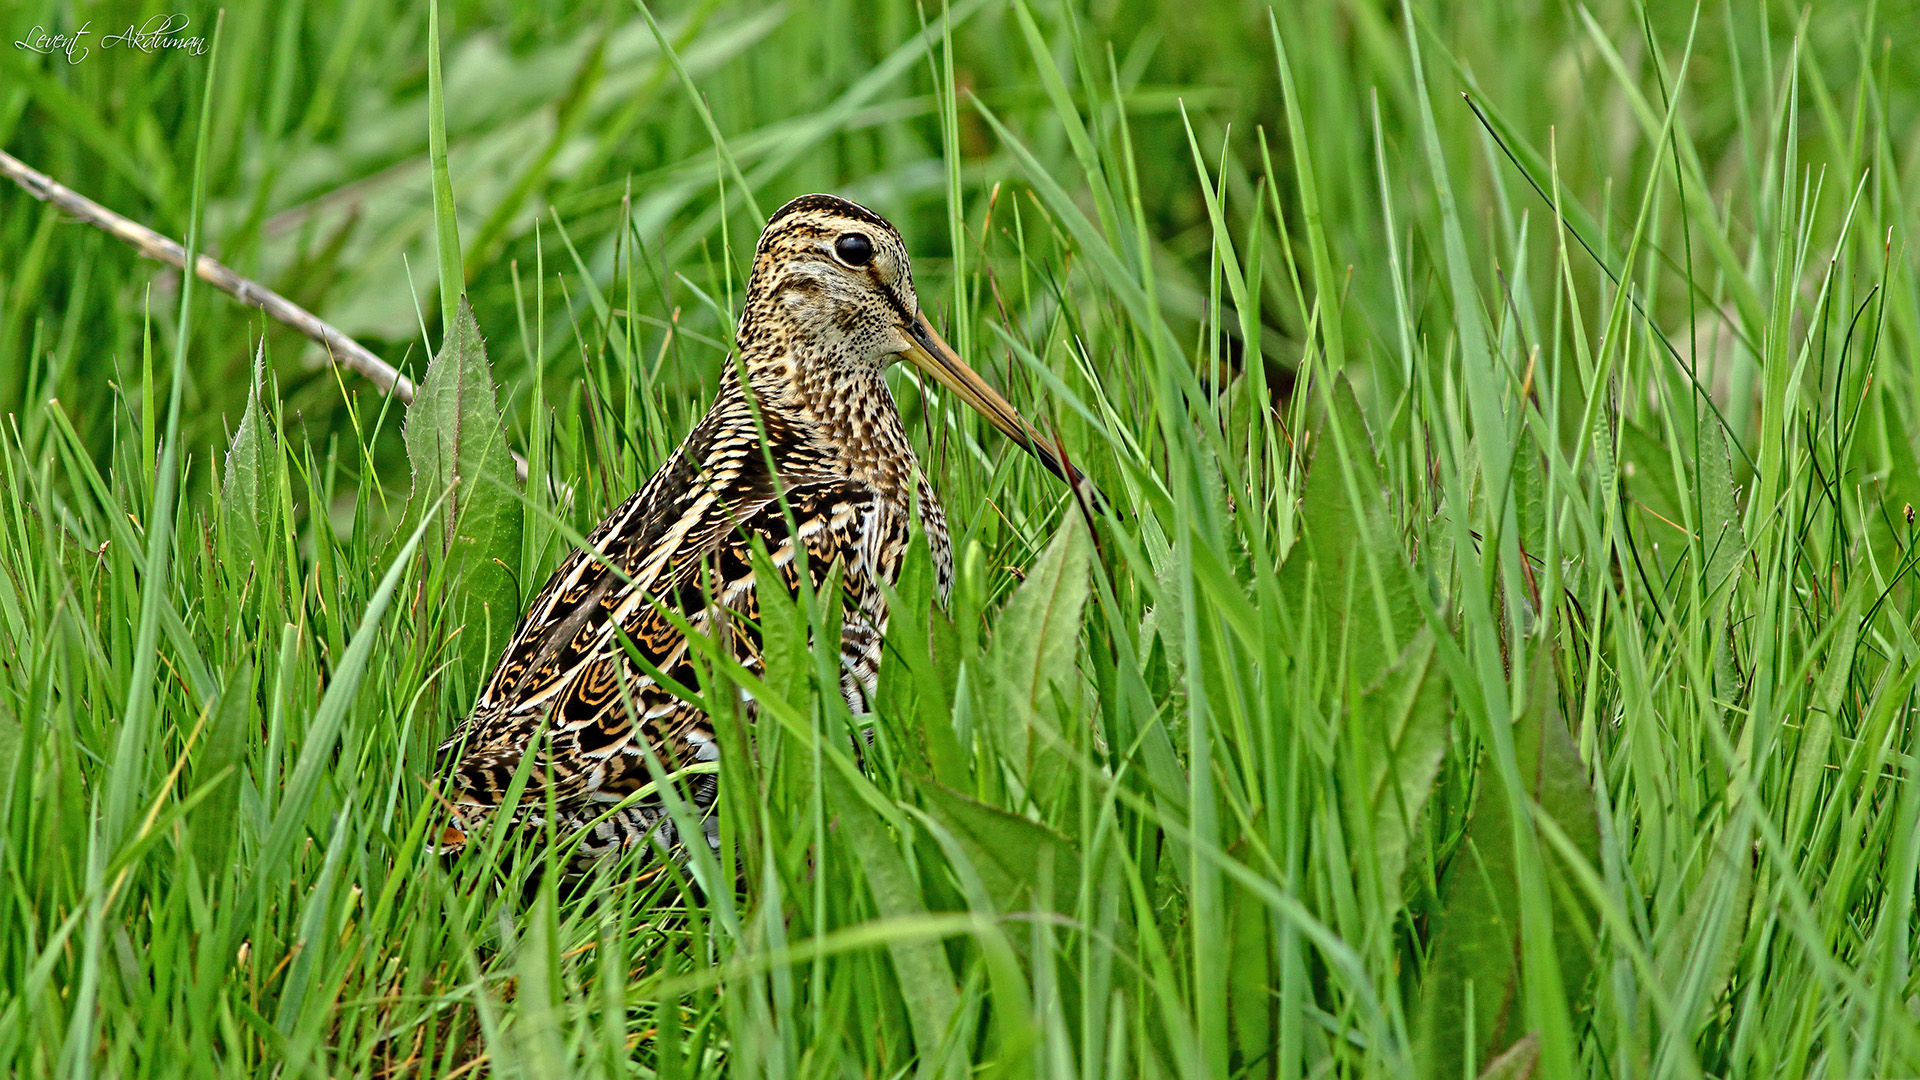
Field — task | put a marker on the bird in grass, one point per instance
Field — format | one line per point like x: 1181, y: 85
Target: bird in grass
x: 805, y: 419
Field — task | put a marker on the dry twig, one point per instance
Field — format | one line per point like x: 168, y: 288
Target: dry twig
x: 340, y: 348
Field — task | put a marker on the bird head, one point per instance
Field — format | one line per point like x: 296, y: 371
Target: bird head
x: 831, y: 286
x: 832, y: 289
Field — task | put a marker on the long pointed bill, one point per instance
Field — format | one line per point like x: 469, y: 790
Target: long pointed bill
x: 934, y: 356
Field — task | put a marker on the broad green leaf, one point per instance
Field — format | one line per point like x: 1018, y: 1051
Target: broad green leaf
x: 1529, y: 496
x: 1358, y: 586
x: 1406, y: 718
x: 216, y: 819
x: 457, y: 446
x: 1251, y: 1001
x: 1476, y: 932
x: 1557, y: 778
x: 250, y: 489
x: 1647, y: 468
x: 1006, y: 850
x: 1697, y: 956
x: 1035, y: 643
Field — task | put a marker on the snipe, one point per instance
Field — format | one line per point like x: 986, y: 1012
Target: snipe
x: 829, y: 307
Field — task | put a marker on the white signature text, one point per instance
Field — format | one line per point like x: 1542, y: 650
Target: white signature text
x: 157, y: 34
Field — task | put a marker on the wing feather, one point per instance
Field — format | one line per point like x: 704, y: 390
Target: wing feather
x: 683, y: 543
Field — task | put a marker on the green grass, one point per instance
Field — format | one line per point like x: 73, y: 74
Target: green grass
x: 1506, y: 634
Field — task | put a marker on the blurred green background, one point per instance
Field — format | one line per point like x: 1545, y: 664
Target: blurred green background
x: 318, y: 185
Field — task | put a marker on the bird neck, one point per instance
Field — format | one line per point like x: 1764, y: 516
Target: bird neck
x: 845, y: 406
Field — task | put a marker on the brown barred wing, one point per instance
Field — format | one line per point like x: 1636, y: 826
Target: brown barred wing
x: 606, y: 710
x: 836, y: 522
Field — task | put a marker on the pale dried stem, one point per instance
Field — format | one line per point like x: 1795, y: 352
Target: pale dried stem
x: 340, y: 348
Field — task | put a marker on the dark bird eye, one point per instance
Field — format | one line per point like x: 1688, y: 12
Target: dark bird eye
x: 854, y: 249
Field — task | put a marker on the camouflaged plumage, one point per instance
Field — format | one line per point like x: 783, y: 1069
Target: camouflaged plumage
x: 815, y: 337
